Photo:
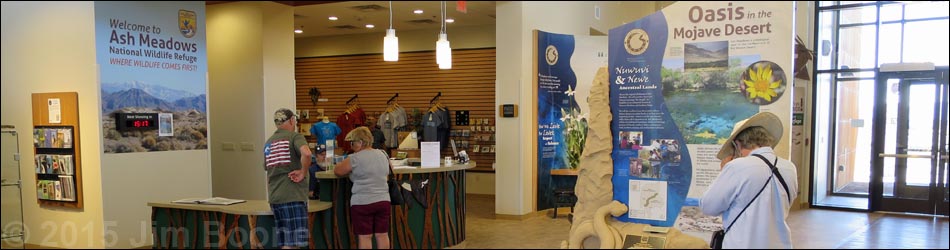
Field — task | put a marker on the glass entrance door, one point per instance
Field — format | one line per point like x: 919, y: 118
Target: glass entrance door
x: 910, y: 171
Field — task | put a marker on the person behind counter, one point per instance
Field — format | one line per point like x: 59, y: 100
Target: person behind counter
x: 320, y: 163
x: 368, y: 169
x: 286, y: 158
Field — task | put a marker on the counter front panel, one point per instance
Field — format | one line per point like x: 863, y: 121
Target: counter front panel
x: 432, y: 217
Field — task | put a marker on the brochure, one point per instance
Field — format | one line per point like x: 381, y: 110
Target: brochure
x: 209, y: 201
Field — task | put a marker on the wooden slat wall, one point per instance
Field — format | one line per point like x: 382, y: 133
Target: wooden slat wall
x: 469, y: 85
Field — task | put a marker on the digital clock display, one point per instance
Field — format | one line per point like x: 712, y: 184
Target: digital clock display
x: 136, y: 121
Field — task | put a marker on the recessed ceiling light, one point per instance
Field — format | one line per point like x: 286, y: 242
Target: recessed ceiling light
x: 298, y: 31
x: 417, y: 11
x: 449, y: 20
x: 370, y: 26
x: 333, y: 18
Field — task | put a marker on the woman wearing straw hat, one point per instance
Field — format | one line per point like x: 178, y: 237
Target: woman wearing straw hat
x: 753, y: 193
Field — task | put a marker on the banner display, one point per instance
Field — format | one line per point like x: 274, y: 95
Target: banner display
x: 566, y: 65
x: 152, y: 64
x: 680, y: 79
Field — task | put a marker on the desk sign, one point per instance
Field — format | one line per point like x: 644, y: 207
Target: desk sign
x: 136, y: 121
x: 509, y: 110
x: 430, y: 154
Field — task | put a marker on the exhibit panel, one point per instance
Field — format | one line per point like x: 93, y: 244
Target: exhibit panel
x: 564, y: 67
x: 680, y: 79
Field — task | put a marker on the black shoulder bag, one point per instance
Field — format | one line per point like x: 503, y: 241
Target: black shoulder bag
x: 719, y: 235
x: 395, y: 195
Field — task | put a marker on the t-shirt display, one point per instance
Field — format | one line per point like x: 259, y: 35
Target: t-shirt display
x: 348, y: 122
x: 389, y: 122
x: 436, y: 126
x: 324, y: 131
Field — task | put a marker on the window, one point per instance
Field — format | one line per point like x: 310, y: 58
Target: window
x: 853, y: 39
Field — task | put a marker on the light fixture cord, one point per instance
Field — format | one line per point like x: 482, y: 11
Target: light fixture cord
x: 442, y: 10
x: 390, y: 14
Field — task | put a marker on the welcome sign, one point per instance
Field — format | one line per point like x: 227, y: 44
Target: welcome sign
x: 152, y: 60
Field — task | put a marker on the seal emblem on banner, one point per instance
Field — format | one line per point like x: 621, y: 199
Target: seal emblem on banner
x: 550, y: 55
x: 187, y: 23
x: 636, y: 42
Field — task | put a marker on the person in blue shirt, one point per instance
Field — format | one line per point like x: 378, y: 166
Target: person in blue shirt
x: 319, y: 164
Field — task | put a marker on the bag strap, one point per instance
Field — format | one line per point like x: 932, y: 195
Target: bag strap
x: 775, y: 171
x: 390, y: 163
x: 750, y: 203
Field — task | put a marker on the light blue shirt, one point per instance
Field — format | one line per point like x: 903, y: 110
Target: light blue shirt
x: 763, y: 224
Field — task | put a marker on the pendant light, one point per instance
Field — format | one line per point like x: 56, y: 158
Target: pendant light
x: 443, y: 52
x: 391, y: 42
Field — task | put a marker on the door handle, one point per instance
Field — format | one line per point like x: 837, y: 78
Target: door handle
x: 904, y: 156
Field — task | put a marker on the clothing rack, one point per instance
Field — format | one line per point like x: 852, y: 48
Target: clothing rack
x: 392, y: 98
x: 435, y: 98
x: 436, y: 103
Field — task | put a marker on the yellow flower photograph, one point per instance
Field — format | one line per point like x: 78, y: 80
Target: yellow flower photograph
x: 763, y: 83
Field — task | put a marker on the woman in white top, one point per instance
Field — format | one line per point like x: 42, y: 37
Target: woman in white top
x: 368, y: 169
x: 747, y: 180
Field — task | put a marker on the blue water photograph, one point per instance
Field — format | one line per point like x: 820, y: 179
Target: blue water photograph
x: 706, y: 104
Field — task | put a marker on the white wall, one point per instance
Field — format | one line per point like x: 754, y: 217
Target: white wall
x: 131, y: 180
x: 516, y: 161
x: 509, y: 175
x: 280, y: 90
x: 250, y: 57
x: 49, y: 47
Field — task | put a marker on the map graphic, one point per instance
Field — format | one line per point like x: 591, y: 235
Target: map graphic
x: 647, y: 200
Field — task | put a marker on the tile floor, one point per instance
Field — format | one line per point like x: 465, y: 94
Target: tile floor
x: 811, y: 228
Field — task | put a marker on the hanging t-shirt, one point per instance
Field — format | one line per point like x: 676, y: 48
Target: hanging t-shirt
x: 347, y: 123
x: 325, y: 131
x: 430, y: 126
x: 389, y: 122
x: 436, y: 127
x: 445, y: 127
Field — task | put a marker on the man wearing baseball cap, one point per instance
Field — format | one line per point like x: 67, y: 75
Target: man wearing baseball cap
x: 286, y: 158
x: 755, y: 189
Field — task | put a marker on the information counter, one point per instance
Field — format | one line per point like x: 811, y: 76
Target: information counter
x: 244, y: 225
x: 433, y: 216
